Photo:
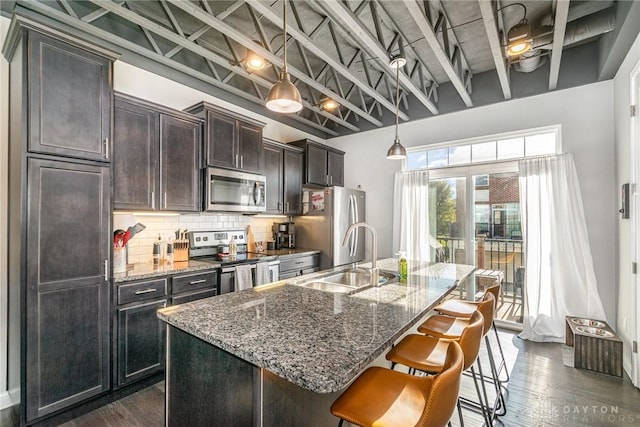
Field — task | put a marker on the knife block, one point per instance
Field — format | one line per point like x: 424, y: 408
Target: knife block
x: 181, y: 250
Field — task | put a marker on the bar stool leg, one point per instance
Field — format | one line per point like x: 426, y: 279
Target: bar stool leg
x: 503, y: 363
x: 499, y: 407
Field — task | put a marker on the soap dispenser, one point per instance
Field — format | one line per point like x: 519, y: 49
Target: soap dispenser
x: 233, y: 247
x: 402, y: 267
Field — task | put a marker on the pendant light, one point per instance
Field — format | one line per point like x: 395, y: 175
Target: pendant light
x: 284, y: 96
x: 397, y: 151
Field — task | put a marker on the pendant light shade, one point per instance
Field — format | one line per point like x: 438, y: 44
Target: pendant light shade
x: 397, y: 151
x: 284, y: 96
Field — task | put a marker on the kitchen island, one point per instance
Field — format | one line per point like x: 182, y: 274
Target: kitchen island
x: 280, y: 354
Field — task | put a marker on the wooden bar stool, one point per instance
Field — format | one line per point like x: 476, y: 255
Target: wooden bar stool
x: 457, y: 308
x: 445, y: 326
x: 385, y: 398
x: 426, y: 353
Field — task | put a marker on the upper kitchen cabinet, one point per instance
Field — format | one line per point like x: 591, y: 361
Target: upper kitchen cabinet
x: 323, y: 166
x: 69, y: 99
x: 156, y: 157
x: 231, y: 141
x: 282, y: 165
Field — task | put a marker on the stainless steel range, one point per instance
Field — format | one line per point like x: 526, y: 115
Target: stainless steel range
x: 213, y: 246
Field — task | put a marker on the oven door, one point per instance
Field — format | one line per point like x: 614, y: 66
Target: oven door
x: 233, y: 191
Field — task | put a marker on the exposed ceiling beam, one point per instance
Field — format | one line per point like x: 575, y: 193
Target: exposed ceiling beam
x: 310, y: 45
x: 415, y: 11
x: 348, y: 20
x: 78, y: 24
x: 195, y: 11
x: 491, y: 25
x: 559, y: 27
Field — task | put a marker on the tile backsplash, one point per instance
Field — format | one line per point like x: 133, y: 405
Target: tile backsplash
x: 141, y: 246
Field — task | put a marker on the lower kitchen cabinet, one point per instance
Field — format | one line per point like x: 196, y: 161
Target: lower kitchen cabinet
x: 293, y: 266
x: 141, y: 337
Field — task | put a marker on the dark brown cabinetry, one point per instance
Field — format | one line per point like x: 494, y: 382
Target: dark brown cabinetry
x: 230, y: 141
x: 293, y: 266
x: 67, y: 288
x: 156, y: 157
x: 282, y: 165
x: 60, y: 215
x: 323, y: 165
x: 139, y: 339
x: 140, y: 335
x: 69, y: 99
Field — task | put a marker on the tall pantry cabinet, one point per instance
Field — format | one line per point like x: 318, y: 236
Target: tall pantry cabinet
x: 59, y: 219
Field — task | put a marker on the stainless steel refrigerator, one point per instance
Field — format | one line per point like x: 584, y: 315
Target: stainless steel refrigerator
x: 327, y: 213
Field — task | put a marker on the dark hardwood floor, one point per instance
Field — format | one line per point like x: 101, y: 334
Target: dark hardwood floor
x: 543, y: 391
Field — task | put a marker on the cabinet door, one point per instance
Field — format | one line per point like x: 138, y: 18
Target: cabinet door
x: 316, y: 165
x: 69, y: 100
x: 292, y: 182
x: 250, y: 147
x: 67, y: 288
x: 335, y: 168
x: 140, y: 341
x: 221, y: 140
x: 272, y: 169
x: 135, y: 157
x: 180, y: 158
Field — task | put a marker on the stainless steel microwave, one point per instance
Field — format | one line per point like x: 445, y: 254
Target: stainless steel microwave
x: 233, y: 191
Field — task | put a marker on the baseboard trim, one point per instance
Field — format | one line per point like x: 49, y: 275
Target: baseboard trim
x: 5, y: 400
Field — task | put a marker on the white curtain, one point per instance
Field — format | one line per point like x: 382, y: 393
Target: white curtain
x: 560, y: 280
x: 411, y: 214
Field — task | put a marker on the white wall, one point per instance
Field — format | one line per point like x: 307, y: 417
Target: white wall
x: 4, y: 138
x: 623, y: 163
x: 586, y: 116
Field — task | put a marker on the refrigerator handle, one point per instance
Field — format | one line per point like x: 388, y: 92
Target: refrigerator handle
x: 354, y: 219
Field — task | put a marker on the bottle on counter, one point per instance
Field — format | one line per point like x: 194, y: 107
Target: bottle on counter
x: 251, y: 240
x: 156, y: 252
x: 233, y: 247
x: 169, y: 257
x: 402, y: 267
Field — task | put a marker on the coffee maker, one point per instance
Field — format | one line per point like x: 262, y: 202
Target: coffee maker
x: 284, y: 234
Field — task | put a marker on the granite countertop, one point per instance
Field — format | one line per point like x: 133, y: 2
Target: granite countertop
x: 317, y: 340
x: 148, y: 270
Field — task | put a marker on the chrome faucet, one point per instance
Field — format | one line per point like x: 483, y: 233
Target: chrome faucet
x: 374, y: 248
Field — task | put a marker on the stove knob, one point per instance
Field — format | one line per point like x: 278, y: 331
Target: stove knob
x: 198, y: 239
x: 205, y: 238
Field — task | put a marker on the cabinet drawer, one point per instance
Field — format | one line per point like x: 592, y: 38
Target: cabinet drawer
x: 140, y: 291
x: 193, y: 296
x: 191, y: 282
x: 299, y: 263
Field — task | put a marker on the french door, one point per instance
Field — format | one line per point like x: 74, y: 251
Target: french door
x: 474, y: 218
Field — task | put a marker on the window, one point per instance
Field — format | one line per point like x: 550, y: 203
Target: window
x: 536, y: 142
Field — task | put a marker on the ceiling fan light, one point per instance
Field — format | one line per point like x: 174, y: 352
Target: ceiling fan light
x: 396, y: 151
x: 284, y: 96
x: 518, y: 48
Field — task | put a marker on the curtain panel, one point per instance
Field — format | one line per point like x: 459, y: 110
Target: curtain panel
x: 560, y: 279
x: 411, y: 214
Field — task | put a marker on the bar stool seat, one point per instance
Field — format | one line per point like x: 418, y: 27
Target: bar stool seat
x: 385, y: 398
x: 415, y: 351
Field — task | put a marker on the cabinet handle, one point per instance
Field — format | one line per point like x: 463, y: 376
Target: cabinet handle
x: 279, y: 206
x: 106, y: 270
x: 287, y: 207
x: 236, y: 160
x: 165, y: 200
x: 146, y: 291
x: 299, y: 262
x: 153, y: 200
x: 241, y: 162
x: 195, y: 282
x: 106, y: 148
x: 331, y: 180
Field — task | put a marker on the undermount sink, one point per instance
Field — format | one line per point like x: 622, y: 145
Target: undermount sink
x: 346, y: 281
x: 594, y: 331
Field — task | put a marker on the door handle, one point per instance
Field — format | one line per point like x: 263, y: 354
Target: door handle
x: 106, y: 148
x: 106, y: 270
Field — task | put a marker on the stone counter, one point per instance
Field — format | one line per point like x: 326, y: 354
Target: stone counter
x: 317, y: 340
x: 149, y: 270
